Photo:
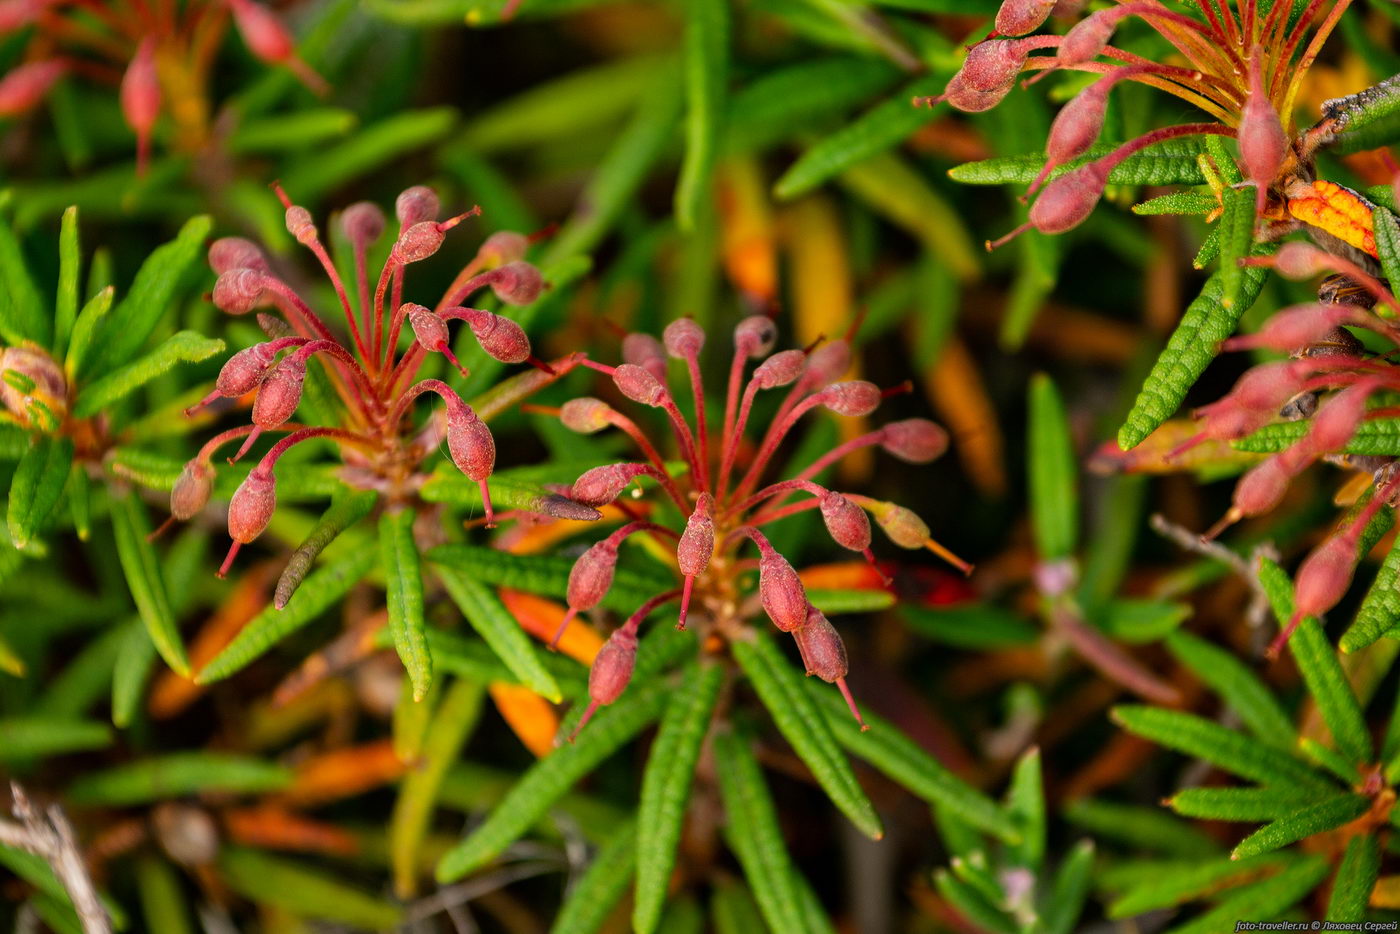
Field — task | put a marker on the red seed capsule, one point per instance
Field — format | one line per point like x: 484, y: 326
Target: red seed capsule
x: 228, y: 253
x: 242, y: 372
x: 1088, y: 38
x: 140, y: 97
x: 1019, y: 17
x: 994, y: 64
x: 695, y: 548
x: 1325, y: 575
x: 591, y: 576
x: 517, y: 283
x: 1069, y: 199
x: 823, y: 652
x: 1292, y: 328
x: 24, y: 87
x: 429, y: 328
x: 418, y: 242
x: 252, y: 505
x: 503, y: 246
x: 280, y: 393
x: 1337, y: 419
x: 416, y: 205
x: 1261, y: 138
x: 264, y: 33
x: 470, y: 443
x: 363, y: 223
x: 239, y: 291
x: 847, y: 523
x: 585, y: 415
x: 828, y: 363
x: 301, y: 225
x: 501, y: 338
x: 781, y: 369
x: 192, y: 489
x: 854, y: 398
x: 612, y: 667
x: 601, y: 485
x: 683, y: 338
x: 781, y: 592
x: 960, y: 96
x: 645, y: 351
x: 755, y: 336
x: 639, y: 384
x: 1298, y: 260
x: 915, y: 440
x: 1076, y: 127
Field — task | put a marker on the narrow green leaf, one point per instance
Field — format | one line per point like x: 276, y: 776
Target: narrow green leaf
x: 80, y: 501
x: 1355, y: 878
x: 970, y: 626
x: 162, y: 901
x: 1237, y: 685
x: 547, y: 780
x: 320, y: 591
x: 1266, y: 899
x: 348, y: 506
x: 971, y: 904
x: 147, y: 581
x: 751, y: 824
x: 373, y: 146
x: 1387, y: 232
x: 784, y: 101
x: 22, y: 313
x: 666, y: 788
x: 595, y: 894
x: 547, y: 575
x: 1209, y: 249
x: 403, y: 575
x: 303, y: 129
x: 181, y: 347
x: 734, y: 911
x: 92, y: 315
x: 780, y: 687
x: 1166, y: 888
x: 69, y: 261
x: 1380, y: 609
x: 875, y: 131
x: 1050, y: 466
x: 36, y: 487
x: 1070, y: 890
x: 893, y: 753
x: 1236, y: 238
x: 836, y: 602
x: 1172, y: 162
x: 1178, y: 202
x: 1143, y: 828
x: 1379, y: 436
x: 40, y: 737
x: 706, y: 45
x: 1303, y: 823
x: 451, y: 724
x: 152, y: 293
x: 302, y: 891
x: 1235, y: 753
x: 1138, y: 622
x: 1247, y: 805
x: 133, y: 666
x: 172, y: 776
x: 451, y: 486
x: 1188, y: 352
x: 409, y: 724
x: 485, y: 612
x: 1025, y: 803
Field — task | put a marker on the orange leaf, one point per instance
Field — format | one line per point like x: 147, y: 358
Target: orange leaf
x: 342, y: 773
x: 541, y: 617
x: 530, y: 716
x: 954, y: 387
x: 750, y: 259
x: 1151, y: 455
x: 274, y: 828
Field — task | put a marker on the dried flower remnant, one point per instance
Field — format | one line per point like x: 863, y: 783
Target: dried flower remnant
x: 722, y: 496
x: 374, y: 381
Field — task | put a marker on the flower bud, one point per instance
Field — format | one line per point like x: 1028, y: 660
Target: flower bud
x: 264, y: 33
x: 853, y: 398
x: 960, y: 96
x: 500, y: 337
x: 914, y: 440
x: 1076, y: 127
x: 1018, y: 17
x: 829, y: 362
x: 847, y: 523
x: 416, y: 205
x: 429, y: 328
x: 280, y: 393
x: 697, y: 542
x: 242, y: 372
x: 1292, y: 328
x: 823, y: 653
x: 45, y: 376
x: 301, y: 225
x: 1298, y: 260
x: 16, y: 14
x: 517, y: 283
x: 470, y: 443
x: 781, y: 369
x: 140, y: 95
x: 994, y: 64
x: 601, y: 485
x: 362, y: 222
x: 1325, y: 575
x: 639, y: 384
x: 24, y: 87
x: 612, y: 667
x: 1087, y: 39
x: 903, y: 526
x: 781, y: 592
x: 228, y: 253
x: 1069, y: 199
x: 239, y: 291
x: 1259, y: 490
x: 192, y: 489
x: 645, y: 351
x: 755, y: 336
x: 591, y: 576
x: 683, y: 338
x: 417, y: 243
x: 1337, y: 419
x: 585, y: 415
x: 252, y: 506
x: 1261, y: 138
x: 503, y: 246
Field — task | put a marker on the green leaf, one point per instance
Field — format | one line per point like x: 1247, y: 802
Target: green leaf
x: 451, y: 486
x: 146, y: 781
x: 66, y: 302
x: 152, y: 292
x: 374, y: 146
x: 301, y: 891
x: 1140, y: 621
x: 1141, y: 828
x: 403, y: 575
x: 451, y: 724
x: 1380, y: 609
x: 80, y: 501
x: 780, y: 687
x: 147, y: 581
x: 835, y: 602
x: 971, y: 626
x: 1379, y: 436
x: 92, y: 315
x: 1265, y: 899
x: 875, y: 131
x: 1379, y: 103
x: 1178, y: 202
x: 1070, y: 889
x: 1303, y: 823
x: 320, y: 591
x: 1050, y: 466
x: 734, y: 911
x: 1321, y: 669
x: 1025, y: 803
x: 1237, y: 685
x: 485, y: 612
x: 1209, y: 250
x: 181, y: 347
x: 1172, y: 162
x: 1387, y: 232
x: 706, y: 45
x: 22, y: 313
x: 1236, y: 238
x: 1247, y: 805
x: 784, y: 101
x: 666, y: 788
x: 972, y: 905
x: 1166, y: 888
x: 751, y: 827
x: 133, y: 666
x: 1355, y: 878
x: 546, y: 575
x: 36, y: 487
x: 548, y: 779
x: 301, y: 129
x: 1189, y: 351
x: 348, y: 506
x: 40, y: 737
x: 162, y: 901
x: 594, y: 895
x: 1235, y: 753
